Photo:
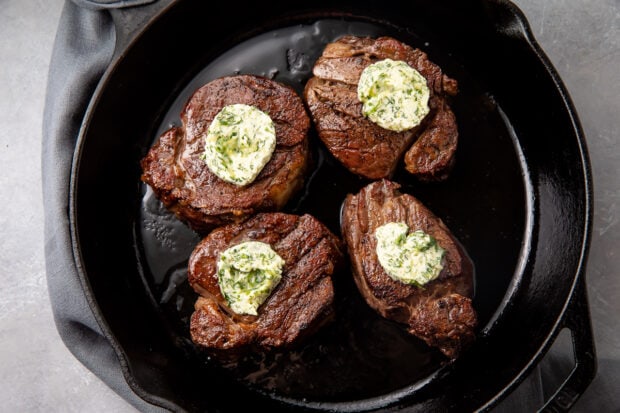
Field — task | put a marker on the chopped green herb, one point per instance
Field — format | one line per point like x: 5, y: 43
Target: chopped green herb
x: 240, y: 135
x: 247, y: 274
x: 413, y: 258
x: 393, y: 94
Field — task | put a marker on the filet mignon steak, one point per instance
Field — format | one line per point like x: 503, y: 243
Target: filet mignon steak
x: 181, y: 179
x: 439, y: 312
x: 362, y: 146
x: 299, y: 304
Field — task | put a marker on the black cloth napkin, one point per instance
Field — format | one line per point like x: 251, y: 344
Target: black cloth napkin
x: 84, y: 47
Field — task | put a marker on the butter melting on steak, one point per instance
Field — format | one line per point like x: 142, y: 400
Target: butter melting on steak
x: 362, y: 146
x: 440, y: 312
x: 300, y: 303
x: 180, y: 178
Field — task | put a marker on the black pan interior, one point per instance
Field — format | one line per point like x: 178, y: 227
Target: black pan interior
x: 502, y: 197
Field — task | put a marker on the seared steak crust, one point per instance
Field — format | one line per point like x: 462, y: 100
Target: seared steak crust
x: 440, y: 312
x: 302, y: 301
x: 180, y: 178
x: 362, y: 146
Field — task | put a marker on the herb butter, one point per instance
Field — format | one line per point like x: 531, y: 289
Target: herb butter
x: 394, y: 95
x: 413, y: 258
x: 247, y: 273
x: 239, y: 143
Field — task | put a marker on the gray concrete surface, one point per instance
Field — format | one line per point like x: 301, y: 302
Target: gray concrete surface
x: 37, y: 372
x: 582, y: 39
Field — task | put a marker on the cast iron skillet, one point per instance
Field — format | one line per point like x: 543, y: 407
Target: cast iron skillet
x: 519, y: 200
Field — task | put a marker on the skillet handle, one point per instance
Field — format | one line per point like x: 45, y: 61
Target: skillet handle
x: 130, y: 21
x: 577, y: 320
